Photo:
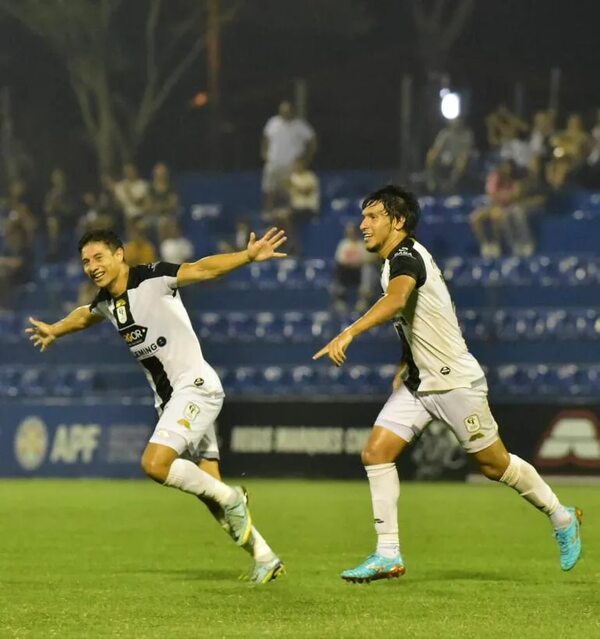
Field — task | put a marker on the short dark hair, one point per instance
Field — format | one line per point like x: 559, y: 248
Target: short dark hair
x: 110, y: 238
x: 398, y: 203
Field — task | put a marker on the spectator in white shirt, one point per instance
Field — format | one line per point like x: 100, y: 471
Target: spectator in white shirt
x: 132, y: 193
x: 286, y: 138
x: 351, y: 257
x: 174, y: 248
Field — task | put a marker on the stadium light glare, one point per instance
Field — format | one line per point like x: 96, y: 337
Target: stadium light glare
x: 450, y: 105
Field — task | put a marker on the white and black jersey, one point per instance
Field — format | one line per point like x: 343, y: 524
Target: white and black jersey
x: 432, y: 341
x: 156, y: 327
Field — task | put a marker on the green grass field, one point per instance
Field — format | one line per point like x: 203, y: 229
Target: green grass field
x: 131, y: 559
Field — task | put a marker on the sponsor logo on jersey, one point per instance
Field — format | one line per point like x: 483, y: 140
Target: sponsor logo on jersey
x: 572, y: 439
x: 198, y: 382
x: 445, y: 370
x: 134, y: 335
x: 150, y: 349
x: 403, y: 251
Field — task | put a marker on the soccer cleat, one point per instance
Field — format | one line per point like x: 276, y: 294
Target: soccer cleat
x: 375, y: 567
x: 569, y: 540
x: 238, y: 519
x: 265, y: 571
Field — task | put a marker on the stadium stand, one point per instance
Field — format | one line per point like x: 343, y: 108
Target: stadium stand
x: 533, y: 322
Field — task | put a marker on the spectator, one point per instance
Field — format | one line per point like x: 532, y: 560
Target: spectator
x: 61, y: 213
x: 531, y: 195
x: 501, y: 189
x: 448, y: 158
x: 589, y: 173
x: 175, y: 248
x: 370, y: 286
x: 286, y: 138
x: 304, y: 200
x: 503, y: 126
x: 350, y: 258
x: 95, y: 217
x: 163, y: 200
x: 139, y: 249
x: 16, y: 262
x: 18, y: 204
x: 131, y: 193
x: 541, y: 134
x: 107, y: 201
x: 572, y: 143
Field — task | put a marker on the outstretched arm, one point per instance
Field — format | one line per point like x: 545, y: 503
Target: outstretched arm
x: 209, y: 268
x: 43, y: 335
x: 385, y: 309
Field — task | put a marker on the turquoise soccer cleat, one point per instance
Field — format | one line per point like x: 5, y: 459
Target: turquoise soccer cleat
x: 265, y: 571
x: 375, y: 567
x: 238, y: 519
x: 569, y: 540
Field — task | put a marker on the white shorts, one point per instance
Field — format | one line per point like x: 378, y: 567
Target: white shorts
x: 187, y: 424
x: 465, y: 410
x: 275, y: 178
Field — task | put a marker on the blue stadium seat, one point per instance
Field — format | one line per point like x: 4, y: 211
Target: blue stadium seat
x: 241, y: 326
x: 473, y: 324
x: 34, y: 382
x: 9, y: 324
x: 213, y: 326
x: 10, y: 379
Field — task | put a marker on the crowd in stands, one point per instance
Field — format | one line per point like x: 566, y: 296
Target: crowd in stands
x: 530, y: 166
x: 525, y: 170
x: 145, y: 212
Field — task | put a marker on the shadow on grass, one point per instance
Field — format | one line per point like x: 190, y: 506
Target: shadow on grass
x: 453, y: 574
x: 190, y: 575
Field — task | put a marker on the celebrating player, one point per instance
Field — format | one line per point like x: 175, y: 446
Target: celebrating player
x: 438, y: 378
x: 144, y: 305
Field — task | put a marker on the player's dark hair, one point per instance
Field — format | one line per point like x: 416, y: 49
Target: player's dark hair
x: 398, y: 203
x: 110, y: 238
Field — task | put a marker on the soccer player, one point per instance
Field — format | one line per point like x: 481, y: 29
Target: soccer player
x: 438, y: 378
x: 144, y: 305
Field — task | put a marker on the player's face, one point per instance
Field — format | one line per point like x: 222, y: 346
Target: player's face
x: 100, y: 264
x: 376, y: 226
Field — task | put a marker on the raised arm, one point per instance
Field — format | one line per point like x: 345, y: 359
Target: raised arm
x: 43, y: 335
x: 213, y: 266
x: 385, y: 309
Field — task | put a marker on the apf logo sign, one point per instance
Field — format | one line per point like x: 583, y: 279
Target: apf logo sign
x: 572, y: 439
x: 31, y: 443
x: 35, y: 443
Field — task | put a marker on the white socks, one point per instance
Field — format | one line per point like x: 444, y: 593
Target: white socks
x: 258, y: 547
x: 524, y: 478
x: 385, y: 492
x: 186, y: 476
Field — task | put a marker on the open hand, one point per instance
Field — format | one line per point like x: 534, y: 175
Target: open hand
x: 41, y: 334
x: 336, y: 349
x: 266, y: 247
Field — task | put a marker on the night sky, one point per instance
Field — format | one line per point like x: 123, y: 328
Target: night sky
x: 353, y: 82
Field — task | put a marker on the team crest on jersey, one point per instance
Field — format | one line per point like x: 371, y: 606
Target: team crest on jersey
x: 472, y: 424
x: 122, y: 312
x: 191, y: 411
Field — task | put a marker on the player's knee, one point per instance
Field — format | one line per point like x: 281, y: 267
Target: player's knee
x: 156, y: 468
x: 371, y: 456
x: 494, y: 469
